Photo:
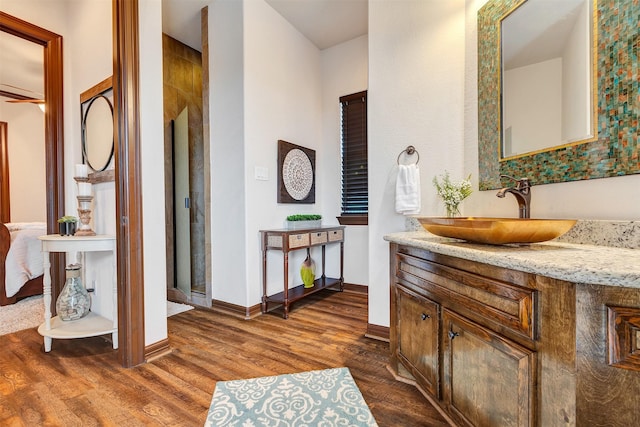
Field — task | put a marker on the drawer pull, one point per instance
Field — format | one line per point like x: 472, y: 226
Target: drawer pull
x: 425, y: 316
x: 452, y: 335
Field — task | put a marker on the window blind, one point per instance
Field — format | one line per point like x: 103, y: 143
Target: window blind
x: 355, y: 196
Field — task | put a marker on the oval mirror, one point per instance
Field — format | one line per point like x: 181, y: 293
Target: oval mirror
x: 97, y: 133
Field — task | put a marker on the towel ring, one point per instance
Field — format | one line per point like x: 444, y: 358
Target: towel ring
x: 410, y: 151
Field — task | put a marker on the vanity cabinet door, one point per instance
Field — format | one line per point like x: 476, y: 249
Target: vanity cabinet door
x: 487, y: 379
x: 418, y: 338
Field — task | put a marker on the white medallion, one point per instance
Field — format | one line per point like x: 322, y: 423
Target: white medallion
x: 297, y: 174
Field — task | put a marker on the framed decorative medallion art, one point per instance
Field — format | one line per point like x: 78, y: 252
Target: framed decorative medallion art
x: 296, y: 173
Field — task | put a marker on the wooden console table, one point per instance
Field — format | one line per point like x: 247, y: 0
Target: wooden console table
x: 287, y: 240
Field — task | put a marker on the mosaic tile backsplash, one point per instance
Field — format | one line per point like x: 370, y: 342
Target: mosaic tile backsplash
x: 616, y: 151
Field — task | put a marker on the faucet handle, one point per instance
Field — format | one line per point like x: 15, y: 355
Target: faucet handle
x: 509, y: 177
x: 521, y: 183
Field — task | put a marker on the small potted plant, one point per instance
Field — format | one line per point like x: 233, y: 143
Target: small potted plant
x: 67, y: 225
x: 302, y: 221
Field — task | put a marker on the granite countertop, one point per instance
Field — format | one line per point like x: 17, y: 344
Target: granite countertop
x: 578, y: 263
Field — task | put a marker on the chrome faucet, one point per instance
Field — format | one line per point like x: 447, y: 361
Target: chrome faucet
x: 522, y: 193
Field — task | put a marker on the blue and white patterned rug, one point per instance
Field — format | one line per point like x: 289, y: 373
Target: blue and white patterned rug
x: 325, y: 398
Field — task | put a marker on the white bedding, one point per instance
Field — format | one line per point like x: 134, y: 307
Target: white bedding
x: 24, y: 259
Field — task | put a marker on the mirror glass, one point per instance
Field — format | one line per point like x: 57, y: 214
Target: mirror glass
x: 547, y: 76
x: 613, y: 148
x: 97, y: 133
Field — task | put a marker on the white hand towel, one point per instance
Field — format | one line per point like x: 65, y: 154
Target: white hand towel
x: 408, y: 190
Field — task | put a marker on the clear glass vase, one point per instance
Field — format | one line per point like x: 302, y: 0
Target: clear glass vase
x: 453, y: 211
x: 74, y: 301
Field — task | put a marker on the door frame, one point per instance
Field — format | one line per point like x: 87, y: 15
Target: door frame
x: 129, y: 230
x: 53, y: 127
x: 5, y: 211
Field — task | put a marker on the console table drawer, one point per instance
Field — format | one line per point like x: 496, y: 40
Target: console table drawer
x: 274, y: 241
x: 318, y: 237
x: 298, y: 240
x: 336, y: 235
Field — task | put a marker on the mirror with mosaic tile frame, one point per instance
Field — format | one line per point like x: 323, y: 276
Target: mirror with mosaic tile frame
x: 614, y: 151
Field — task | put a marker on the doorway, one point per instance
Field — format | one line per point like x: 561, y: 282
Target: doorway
x: 184, y: 173
x: 182, y: 204
x: 22, y: 148
x: 53, y: 127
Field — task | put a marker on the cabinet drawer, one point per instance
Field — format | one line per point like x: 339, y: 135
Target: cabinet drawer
x: 318, y: 237
x: 298, y: 240
x: 506, y: 304
x: 335, y: 235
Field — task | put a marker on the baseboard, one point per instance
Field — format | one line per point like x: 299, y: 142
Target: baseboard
x: 236, y: 310
x: 358, y: 289
x: 256, y: 310
x: 377, y: 332
x: 156, y: 350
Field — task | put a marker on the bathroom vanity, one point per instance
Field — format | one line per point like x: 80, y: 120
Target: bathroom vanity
x: 535, y: 335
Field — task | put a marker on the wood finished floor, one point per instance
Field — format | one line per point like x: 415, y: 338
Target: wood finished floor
x: 80, y: 382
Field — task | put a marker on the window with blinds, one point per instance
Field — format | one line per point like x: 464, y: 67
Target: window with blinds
x: 355, y: 196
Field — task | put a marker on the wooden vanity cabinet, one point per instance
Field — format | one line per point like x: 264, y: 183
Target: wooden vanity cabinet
x: 608, y: 374
x: 488, y: 380
x: 503, y: 347
x: 418, y: 318
x: 467, y: 336
x: 510, y: 348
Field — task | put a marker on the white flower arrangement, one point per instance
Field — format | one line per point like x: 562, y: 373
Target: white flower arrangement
x: 452, y: 193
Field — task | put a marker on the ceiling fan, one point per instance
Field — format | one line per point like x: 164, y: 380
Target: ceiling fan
x: 17, y: 98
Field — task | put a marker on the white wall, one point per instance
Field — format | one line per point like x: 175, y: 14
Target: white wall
x: 344, y: 71
x: 48, y: 14
x: 51, y: 16
x: 416, y: 82
x: 576, y: 80
x: 152, y: 165
x: 283, y: 100
x: 90, y: 60
x: 27, y: 178
x: 279, y: 97
x: 532, y: 98
x: 226, y: 85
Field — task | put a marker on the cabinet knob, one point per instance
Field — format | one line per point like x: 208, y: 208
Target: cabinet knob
x: 452, y: 334
x: 425, y: 316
